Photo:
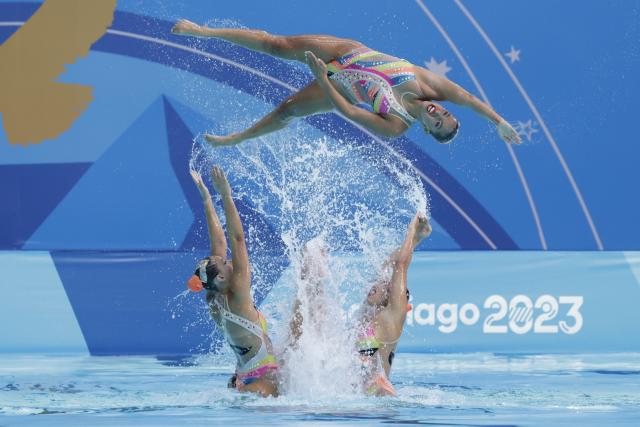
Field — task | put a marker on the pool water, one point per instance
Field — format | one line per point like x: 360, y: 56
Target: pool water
x: 433, y: 389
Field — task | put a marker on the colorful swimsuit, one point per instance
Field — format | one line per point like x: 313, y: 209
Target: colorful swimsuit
x: 368, y: 346
x: 368, y: 79
x: 263, y: 361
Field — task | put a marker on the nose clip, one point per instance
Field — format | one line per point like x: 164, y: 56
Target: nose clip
x: 195, y: 284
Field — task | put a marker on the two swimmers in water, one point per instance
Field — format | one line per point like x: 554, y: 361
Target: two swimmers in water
x: 228, y: 293
x: 348, y: 73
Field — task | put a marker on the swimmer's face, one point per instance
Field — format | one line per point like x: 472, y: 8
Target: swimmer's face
x: 225, y: 269
x: 378, y: 295
x: 438, y: 122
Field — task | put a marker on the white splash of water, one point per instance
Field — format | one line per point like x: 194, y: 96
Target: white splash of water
x: 345, y: 197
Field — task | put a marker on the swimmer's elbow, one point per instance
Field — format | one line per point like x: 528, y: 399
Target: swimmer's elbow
x: 237, y: 237
x: 402, y: 261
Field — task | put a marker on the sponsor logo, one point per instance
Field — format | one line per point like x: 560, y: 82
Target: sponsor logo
x: 520, y: 315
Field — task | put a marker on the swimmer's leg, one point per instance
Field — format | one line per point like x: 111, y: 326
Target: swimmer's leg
x: 310, y: 100
x: 313, y: 270
x: 295, y: 325
x: 324, y: 47
x: 265, y: 386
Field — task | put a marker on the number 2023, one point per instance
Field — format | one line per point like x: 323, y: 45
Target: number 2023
x: 520, y: 315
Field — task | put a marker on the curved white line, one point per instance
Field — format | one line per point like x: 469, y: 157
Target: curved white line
x: 203, y: 53
x: 538, y: 117
x: 485, y: 98
x: 292, y: 88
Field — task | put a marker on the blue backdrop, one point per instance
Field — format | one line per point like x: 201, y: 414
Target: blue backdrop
x: 564, y: 73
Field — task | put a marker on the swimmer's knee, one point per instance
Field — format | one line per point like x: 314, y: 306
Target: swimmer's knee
x: 401, y: 262
x: 287, y: 111
x: 277, y: 45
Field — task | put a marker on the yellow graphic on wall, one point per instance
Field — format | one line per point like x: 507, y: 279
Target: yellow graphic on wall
x: 34, y: 106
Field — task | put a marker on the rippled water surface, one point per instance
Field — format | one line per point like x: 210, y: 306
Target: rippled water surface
x: 434, y: 389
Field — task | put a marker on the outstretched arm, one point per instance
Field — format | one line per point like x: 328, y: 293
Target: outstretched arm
x: 390, y: 126
x: 239, y: 256
x: 418, y: 229
x: 216, y: 234
x: 458, y: 95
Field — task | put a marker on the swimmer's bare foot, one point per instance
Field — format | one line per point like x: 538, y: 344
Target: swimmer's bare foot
x: 422, y: 228
x: 222, y: 141
x: 186, y: 28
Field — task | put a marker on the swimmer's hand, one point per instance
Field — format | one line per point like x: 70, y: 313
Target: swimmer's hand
x: 220, y: 182
x: 202, y: 188
x: 316, y: 65
x: 222, y: 141
x: 186, y: 28
x: 421, y: 226
x: 507, y: 132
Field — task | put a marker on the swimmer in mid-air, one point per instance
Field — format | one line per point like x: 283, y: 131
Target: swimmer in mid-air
x: 348, y: 73
x: 229, y: 295
x: 385, y: 311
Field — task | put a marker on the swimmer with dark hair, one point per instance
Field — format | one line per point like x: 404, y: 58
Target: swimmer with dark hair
x: 385, y: 312
x: 347, y: 74
x: 228, y: 293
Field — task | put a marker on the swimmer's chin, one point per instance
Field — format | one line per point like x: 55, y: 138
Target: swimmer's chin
x: 221, y: 141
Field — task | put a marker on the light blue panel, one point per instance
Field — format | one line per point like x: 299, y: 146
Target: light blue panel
x: 117, y: 105
x: 603, y: 282
x: 133, y: 192
x: 35, y: 313
x: 633, y: 258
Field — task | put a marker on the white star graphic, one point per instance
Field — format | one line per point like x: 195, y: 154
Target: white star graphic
x: 440, y: 68
x: 513, y: 54
x: 526, y: 129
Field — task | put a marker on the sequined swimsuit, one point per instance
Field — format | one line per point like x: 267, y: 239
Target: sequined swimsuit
x: 368, y: 345
x: 263, y: 361
x: 369, y: 80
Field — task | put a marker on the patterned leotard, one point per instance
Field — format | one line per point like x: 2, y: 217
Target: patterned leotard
x: 368, y: 345
x: 264, y: 361
x: 368, y: 77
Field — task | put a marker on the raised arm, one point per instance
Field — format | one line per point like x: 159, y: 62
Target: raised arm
x: 239, y: 255
x: 390, y: 126
x: 216, y: 235
x: 418, y: 229
x: 458, y: 95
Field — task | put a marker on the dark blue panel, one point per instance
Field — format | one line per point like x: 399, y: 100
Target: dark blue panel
x: 266, y: 249
x: 29, y: 193
x: 125, y: 302
x: 18, y: 11
x: 129, y: 199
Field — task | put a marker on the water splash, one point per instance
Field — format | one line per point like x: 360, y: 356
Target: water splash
x: 350, y: 199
